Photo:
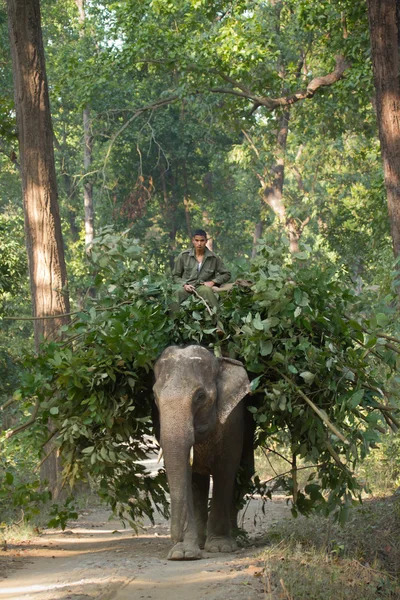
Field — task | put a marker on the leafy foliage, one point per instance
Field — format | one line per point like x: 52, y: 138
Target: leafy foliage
x: 318, y: 375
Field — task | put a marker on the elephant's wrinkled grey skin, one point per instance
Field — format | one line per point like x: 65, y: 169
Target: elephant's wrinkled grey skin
x: 199, y: 399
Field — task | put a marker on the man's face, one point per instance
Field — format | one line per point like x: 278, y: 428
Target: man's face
x: 199, y: 242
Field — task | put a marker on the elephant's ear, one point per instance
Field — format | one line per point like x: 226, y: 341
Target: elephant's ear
x: 232, y: 385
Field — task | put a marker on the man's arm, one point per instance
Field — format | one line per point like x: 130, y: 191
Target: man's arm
x: 222, y: 274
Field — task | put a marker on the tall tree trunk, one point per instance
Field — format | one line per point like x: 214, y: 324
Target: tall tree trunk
x: 273, y: 194
x: 384, y: 32
x: 44, y: 242
x: 87, y: 151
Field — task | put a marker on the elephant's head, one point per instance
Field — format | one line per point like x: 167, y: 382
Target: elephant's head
x: 195, y: 387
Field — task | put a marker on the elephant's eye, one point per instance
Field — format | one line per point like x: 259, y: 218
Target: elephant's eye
x: 199, y: 396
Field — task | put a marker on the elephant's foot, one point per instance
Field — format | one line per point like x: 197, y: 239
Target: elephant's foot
x: 185, y: 551
x: 220, y: 544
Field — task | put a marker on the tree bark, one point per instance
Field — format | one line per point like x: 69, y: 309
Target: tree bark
x: 384, y: 33
x: 48, y: 277
x: 273, y: 194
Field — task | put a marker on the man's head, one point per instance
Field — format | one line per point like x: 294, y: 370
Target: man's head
x: 199, y: 239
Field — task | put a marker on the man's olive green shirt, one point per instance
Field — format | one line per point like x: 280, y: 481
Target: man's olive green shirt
x: 212, y: 269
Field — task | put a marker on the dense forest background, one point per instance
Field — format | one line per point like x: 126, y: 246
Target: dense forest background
x: 253, y: 120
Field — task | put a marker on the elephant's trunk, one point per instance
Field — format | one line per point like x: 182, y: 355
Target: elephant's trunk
x: 176, y: 458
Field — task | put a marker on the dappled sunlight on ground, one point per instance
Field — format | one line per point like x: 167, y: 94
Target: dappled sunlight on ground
x: 96, y: 558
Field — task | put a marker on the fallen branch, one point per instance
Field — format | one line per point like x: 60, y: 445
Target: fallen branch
x: 277, y: 453
x: 315, y: 408
x: 266, y: 481
x: 204, y: 302
x: 7, y: 404
x: 49, y: 438
x: 335, y: 456
x: 37, y: 468
x: 24, y: 426
x: 391, y: 338
x: 76, y: 312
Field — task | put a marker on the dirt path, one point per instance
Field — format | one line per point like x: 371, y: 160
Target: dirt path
x: 96, y: 558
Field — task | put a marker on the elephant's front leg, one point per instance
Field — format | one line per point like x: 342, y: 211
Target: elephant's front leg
x: 201, y: 487
x: 184, y: 530
x: 183, y: 523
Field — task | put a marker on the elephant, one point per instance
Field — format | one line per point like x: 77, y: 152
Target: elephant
x: 202, y: 415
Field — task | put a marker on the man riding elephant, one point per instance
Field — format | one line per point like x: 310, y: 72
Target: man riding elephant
x: 198, y: 270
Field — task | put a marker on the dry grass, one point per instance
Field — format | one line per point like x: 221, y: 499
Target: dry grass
x: 314, y: 559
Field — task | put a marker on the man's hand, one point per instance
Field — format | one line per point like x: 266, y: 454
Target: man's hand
x: 189, y: 288
x: 209, y: 283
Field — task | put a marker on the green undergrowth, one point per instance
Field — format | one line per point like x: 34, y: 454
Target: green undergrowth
x: 315, y: 558
x: 322, y: 371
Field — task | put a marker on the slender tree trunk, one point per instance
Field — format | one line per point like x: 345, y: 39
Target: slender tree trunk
x: 69, y: 187
x: 88, y: 185
x: 87, y: 152
x: 172, y: 207
x: 186, y: 200
x: 384, y: 32
x: 210, y: 239
x: 169, y: 208
x: 44, y: 242
x: 258, y: 230
x: 208, y: 187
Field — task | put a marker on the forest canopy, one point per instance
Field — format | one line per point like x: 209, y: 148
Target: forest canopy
x: 257, y: 122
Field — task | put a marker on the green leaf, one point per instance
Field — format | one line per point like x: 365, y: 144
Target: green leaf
x: 54, y: 410
x: 254, y: 384
x: 355, y: 325
x: 382, y: 319
x: 257, y: 323
x: 301, y: 256
x: 356, y: 398
x: 266, y: 347
x: 308, y: 377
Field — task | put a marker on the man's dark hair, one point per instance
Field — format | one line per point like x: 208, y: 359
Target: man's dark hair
x: 199, y: 232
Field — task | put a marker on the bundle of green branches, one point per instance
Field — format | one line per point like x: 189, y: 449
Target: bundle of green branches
x: 321, y: 379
